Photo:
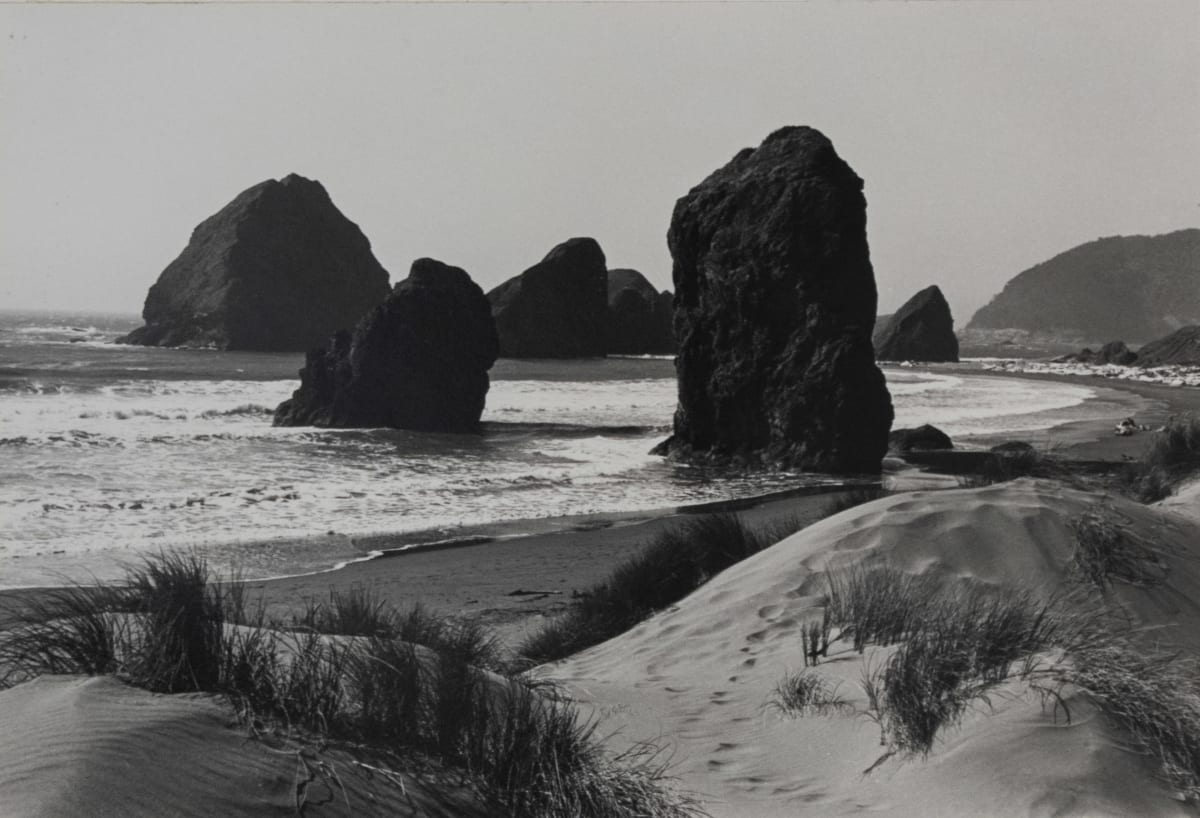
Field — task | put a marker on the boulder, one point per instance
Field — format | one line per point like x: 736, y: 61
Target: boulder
x: 921, y: 439
x: 1114, y: 352
x: 639, y: 316
x: 417, y: 361
x: 277, y: 269
x: 774, y: 303
x: 921, y: 330
x: 1180, y: 348
x: 557, y: 308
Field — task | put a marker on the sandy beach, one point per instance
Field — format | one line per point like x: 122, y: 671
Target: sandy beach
x: 483, y: 580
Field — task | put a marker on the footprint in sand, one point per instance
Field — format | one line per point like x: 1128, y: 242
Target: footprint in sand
x: 769, y: 611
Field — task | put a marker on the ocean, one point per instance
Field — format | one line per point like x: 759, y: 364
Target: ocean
x: 109, y: 453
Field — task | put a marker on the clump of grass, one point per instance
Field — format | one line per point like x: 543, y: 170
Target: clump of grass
x: 1173, y: 455
x: 806, y: 692
x: 956, y: 643
x: 879, y: 605
x: 845, y: 500
x: 171, y: 628
x: 1106, y: 551
x: 357, y: 611
x: 676, y: 562
x: 1155, y: 698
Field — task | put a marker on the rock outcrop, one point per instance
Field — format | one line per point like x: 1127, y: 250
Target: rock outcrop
x: 1180, y: 348
x: 639, y: 316
x: 774, y: 304
x: 924, y: 438
x: 417, y: 361
x: 1132, y: 287
x: 1114, y: 352
x: 557, y: 308
x: 921, y: 330
x: 277, y: 269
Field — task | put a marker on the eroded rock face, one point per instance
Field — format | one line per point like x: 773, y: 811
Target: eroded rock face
x: 921, y: 330
x: 639, y: 316
x: 774, y: 305
x: 557, y: 308
x: 277, y: 269
x: 417, y: 361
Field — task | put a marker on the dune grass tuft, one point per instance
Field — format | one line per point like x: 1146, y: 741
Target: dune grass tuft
x: 850, y: 499
x: 806, y: 692
x: 406, y: 685
x: 1106, y: 551
x: 1173, y: 456
x: 675, y: 562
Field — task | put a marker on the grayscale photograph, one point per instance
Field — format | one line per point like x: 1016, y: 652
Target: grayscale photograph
x: 599, y: 409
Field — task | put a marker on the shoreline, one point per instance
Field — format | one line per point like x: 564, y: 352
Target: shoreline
x: 514, y: 579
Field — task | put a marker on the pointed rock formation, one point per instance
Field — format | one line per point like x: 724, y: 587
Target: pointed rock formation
x: 417, y: 361
x: 774, y: 304
x: 639, y: 316
x: 277, y: 269
x: 921, y: 330
x: 557, y: 308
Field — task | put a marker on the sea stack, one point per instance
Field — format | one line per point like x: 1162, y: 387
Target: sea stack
x: 774, y: 305
x: 419, y: 360
x: 921, y: 330
x: 277, y: 269
x: 639, y: 316
x: 557, y: 308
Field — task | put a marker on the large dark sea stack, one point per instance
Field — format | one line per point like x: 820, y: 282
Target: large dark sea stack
x: 921, y: 330
x: 639, y: 316
x: 417, y: 361
x: 774, y: 305
x: 557, y: 308
x: 277, y: 269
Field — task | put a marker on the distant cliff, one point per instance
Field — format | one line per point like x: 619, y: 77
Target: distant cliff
x: 279, y: 268
x: 1133, y: 287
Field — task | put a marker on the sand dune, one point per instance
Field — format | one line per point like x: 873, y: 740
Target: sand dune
x: 94, y: 748
x: 698, y: 675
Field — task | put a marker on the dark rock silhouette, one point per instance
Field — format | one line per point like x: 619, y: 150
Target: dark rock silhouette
x: 639, y: 316
x: 923, y: 438
x: 774, y: 304
x: 417, y: 361
x: 1180, y: 348
x: 1114, y: 352
x: 277, y: 269
x: 921, y: 330
x: 557, y: 308
x: 1132, y: 287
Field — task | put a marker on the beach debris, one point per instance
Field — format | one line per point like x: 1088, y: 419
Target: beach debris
x: 523, y: 592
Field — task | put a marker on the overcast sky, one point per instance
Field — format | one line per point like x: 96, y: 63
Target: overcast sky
x: 991, y: 136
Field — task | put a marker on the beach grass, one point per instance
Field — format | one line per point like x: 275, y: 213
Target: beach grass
x: 1172, y: 456
x: 674, y: 563
x: 959, y: 640
x: 445, y: 697
x: 806, y: 692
